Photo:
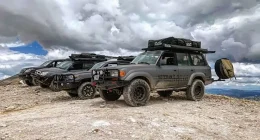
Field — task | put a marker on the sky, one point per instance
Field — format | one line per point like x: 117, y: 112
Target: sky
x: 33, y: 31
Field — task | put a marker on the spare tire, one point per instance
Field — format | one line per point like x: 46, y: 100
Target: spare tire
x: 224, y: 68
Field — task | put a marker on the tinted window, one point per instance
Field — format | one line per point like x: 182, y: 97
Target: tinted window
x: 87, y: 66
x: 111, y: 65
x: 197, y: 60
x: 77, y: 66
x: 183, y: 59
x: 168, y: 59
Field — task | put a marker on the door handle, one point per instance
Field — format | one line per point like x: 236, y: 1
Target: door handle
x: 191, y: 70
x: 174, y: 70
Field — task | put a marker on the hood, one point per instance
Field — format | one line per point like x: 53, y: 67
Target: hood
x: 31, y: 69
x: 51, y: 71
x: 136, y: 66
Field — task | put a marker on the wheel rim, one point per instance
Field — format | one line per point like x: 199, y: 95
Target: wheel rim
x: 139, y: 93
x: 198, y: 91
x: 88, y: 91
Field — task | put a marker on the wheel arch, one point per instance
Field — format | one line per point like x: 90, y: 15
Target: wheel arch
x: 199, y: 75
x: 141, y: 75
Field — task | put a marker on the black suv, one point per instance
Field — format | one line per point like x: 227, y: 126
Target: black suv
x: 25, y: 73
x: 78, y: 84
x: 167, y: 65
x: 77, y: 62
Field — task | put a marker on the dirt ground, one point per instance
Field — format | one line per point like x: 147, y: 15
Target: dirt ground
x: 35, y: 113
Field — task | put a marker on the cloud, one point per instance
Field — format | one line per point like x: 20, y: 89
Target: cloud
x: 226, y: 26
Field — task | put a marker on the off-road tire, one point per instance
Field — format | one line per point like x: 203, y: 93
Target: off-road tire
x: 137, y: 93
x: 86, y: 91
x: 167, y: 93
x: 43, y: 86
x: 35, y: 82
x: 196, y: 91
x: 109, y: 96
x: 72, y: 94
x: 28, y: 82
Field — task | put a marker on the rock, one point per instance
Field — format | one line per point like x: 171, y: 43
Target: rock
x: 3, y: 125
x: 101, y: 123
x: 132, y: 119
x: 102, y: 106
x: 10, y: 108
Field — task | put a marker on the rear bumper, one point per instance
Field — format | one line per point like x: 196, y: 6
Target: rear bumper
x: 209, y: 81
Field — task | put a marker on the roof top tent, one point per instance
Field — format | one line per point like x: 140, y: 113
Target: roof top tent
x: 88, y: 56
x: 177, y: 44
x: 125, y: 58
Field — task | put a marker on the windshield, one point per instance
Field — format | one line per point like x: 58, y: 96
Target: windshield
x: 97, y: 65
x: 149, y: 57
x: 64, y: 65
x: 46, y: 63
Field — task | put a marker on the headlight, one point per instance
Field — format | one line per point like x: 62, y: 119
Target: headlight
x: 114, y: 73
x: 69, y: 77
x: 28, y: 70
x: 44, y: 73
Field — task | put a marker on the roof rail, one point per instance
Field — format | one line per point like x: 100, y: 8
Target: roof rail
x: 125, y: 58
x: 86, y: 55
x: 176, y: 48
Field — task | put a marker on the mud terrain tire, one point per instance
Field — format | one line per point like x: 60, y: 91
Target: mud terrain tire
x: 165, y: 93
x: 86, y: 91
x: 109, y: 96
x: 196, y: 91
x: 35, y: 82
x: 137, y: 93
x: 28, y: 82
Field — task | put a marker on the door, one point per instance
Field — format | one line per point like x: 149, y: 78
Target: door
x: 185, y: 69
x: 168, y: 71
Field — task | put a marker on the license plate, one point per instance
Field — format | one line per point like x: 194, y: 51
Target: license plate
x: 96, y: 77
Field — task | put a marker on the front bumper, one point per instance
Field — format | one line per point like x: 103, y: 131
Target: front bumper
x: 45, y: 80
x: 103, y: 80
x: 61, y: 83
x: 25, y: 76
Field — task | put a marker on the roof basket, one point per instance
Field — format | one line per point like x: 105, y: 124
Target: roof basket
x: 85, y: 56
x: 125, y: 58
x: 176, y: 44
x: 175, y: 41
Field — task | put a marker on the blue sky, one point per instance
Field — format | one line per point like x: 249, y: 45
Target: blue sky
x: 31, y: 48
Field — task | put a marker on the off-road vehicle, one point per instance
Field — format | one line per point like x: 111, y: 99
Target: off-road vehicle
x: 166, y: 65
x: 25, y: 73
x: 77, y: 62
x: 78, y: 84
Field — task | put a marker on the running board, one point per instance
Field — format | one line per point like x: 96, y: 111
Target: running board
x: 174, y: 89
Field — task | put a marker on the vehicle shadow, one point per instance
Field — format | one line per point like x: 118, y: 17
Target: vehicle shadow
x: 154, y: 99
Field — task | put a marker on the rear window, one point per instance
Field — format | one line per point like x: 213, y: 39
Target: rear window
x: 197, y: 60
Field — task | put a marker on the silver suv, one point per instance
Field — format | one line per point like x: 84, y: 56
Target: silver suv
x: 163, y: 68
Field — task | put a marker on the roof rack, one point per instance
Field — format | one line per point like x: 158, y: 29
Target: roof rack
x: 87, y: 56
x: 125, y: 58
x: 176, y: 48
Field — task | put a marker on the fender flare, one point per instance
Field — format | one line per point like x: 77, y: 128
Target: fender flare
x: 141, y: 74
x: 197, y: 74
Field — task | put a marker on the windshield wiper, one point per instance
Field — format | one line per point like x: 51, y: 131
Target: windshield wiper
x: 143, y: 63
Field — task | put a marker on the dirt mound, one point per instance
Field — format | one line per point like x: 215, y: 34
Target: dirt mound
x: 13, y: 80
x: 36, y: 113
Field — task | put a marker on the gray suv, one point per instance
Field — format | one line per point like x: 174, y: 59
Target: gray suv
x: 163, y: 67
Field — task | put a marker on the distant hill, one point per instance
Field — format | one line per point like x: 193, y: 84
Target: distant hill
x: 245, y: 94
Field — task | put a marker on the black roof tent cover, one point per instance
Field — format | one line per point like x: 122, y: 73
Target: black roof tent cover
x: 125, y: 58
x: 87, y: 56
x: 172, y: 43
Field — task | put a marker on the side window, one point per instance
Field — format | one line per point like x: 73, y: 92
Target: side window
x: 197, y: 60
x: 57, y: 63
x: 77, y: 66
x: 183, y: 59
x: 87, y: 66
x: 168, y: 59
